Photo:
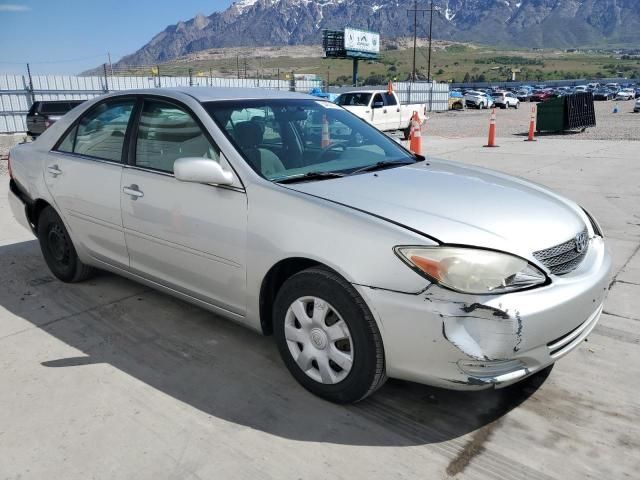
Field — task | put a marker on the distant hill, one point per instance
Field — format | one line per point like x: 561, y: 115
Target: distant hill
x: 519, y: 23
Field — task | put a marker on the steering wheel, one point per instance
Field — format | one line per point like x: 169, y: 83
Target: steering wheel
x: 331, y: 147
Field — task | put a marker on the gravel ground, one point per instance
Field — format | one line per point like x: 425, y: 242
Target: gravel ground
x: 624, y: 125
x: 7, y: 142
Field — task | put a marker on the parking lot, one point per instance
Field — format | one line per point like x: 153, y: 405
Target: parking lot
x: 108, y: 379
x: 624, y: 125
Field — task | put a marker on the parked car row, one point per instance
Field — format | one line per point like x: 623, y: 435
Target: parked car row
x: 478, y: 98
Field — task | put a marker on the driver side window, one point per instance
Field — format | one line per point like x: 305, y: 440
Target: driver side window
x: 166, y: 133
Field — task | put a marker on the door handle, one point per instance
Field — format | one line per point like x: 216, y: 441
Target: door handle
x: 54, y: 171
x: 384, y: 111
x: 133, y: 191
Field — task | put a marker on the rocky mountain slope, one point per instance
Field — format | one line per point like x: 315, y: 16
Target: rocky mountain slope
x: 525, y: 23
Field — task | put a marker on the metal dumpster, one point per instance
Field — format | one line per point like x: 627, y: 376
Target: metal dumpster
x: 570, y: 112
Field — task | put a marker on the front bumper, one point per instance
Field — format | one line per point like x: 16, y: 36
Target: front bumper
x: 459, y: 341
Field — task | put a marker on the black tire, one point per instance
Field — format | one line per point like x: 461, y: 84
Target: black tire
x: 58, y: 250
x: 406, y: 133
x: 367, y: 373
x: 517, y: 106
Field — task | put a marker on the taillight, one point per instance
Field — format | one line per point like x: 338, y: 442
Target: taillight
x: 9, y: 165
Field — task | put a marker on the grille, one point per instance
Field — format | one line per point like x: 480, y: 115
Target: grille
x: 562, y: 258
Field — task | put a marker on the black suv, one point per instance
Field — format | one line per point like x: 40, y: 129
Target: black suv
x: 45, y: 113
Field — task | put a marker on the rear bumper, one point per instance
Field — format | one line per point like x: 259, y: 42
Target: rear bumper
x: 19, y: 206
x: 467, y: 342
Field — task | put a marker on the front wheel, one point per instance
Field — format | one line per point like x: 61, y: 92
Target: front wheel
x: 517, y: 105
x: 327, y: 336
x: 406, y: 133
x: 58, y: 250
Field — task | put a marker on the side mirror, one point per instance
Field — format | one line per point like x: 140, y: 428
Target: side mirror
x: 201, y: 170
x: 378, y: 104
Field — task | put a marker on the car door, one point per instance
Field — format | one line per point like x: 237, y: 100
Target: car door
x: 83, y: 174
x: 393, y: 111
x: 189, y: 237
x: 378, y: 112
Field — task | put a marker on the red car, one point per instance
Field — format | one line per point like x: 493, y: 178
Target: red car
x: 541, y: 96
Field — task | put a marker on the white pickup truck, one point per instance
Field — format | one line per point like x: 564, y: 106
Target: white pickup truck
x: 381, y: 108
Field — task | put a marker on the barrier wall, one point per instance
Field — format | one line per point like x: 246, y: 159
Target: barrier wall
x: 16, y: 95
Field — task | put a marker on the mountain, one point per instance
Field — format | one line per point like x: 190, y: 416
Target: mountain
x: 524, y: 23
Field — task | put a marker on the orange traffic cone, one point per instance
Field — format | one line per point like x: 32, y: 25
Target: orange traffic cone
x: 415, y: 134
x: 492, y: 130
x: 532, y: 124
x: 326, y: 140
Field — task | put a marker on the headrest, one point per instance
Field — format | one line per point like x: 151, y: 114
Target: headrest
x: 248, y: 134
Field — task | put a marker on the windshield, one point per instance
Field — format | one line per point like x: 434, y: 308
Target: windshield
x: 354, y: 99
x: 281, y: 139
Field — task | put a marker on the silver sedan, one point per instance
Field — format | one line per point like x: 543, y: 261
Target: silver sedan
x: 295, y: 218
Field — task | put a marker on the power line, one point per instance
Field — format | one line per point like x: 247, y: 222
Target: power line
x: 415, y: 10
x: 56, y: 61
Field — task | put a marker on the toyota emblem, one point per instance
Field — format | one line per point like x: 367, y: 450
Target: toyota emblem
x: 581, y: 242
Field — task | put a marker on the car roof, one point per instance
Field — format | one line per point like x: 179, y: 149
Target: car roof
x: 212, y: 94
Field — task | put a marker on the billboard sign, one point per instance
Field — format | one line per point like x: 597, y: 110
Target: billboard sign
x: 361, y: 41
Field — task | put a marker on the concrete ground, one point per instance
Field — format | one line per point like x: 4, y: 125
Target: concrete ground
x: 108, y: 379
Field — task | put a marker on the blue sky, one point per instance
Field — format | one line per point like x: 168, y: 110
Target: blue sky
x: 69, y: 36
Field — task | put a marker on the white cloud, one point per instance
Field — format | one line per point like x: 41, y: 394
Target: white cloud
x: 9, y: 7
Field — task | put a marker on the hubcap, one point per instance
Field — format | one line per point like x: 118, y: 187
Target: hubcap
x: 319, y: 340
x: 58, y: 245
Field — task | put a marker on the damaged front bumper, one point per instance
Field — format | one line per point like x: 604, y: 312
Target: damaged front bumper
x: 462, y: 341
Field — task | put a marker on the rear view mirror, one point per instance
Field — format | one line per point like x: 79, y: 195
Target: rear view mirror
x: 201, y: 170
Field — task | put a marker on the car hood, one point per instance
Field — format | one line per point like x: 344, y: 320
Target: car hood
x: 458, y: 204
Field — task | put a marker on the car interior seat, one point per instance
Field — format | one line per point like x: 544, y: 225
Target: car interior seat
x: 249, y: 135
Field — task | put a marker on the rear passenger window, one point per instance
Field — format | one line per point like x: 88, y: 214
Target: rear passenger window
x: 166, y: 133
x: 100, y: 133
x: 53, y: 108
x: 390, y: 99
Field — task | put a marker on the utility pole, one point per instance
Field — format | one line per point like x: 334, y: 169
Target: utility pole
x: 415, y: 12
x: 110, y: 64
x: 31, y: 94
x: 238, y: 65
x: 431, y: 10
x: 328, y: 78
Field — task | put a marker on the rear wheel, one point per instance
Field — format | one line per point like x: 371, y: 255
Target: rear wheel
x: 58, y: 250
x: 327, y: 337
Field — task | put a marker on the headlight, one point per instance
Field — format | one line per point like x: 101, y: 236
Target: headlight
x: 594, y: 223
x: 471, y: 270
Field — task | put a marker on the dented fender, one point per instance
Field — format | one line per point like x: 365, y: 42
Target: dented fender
x: 477, y: 328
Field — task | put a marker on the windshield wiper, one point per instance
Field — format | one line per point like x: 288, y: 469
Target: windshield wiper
x: 381, y: 166
x: 305, y: 177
